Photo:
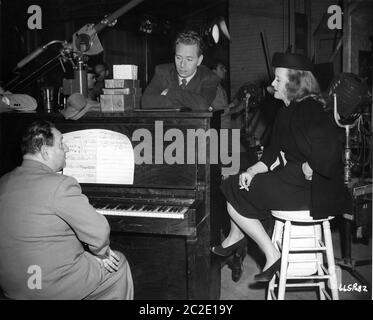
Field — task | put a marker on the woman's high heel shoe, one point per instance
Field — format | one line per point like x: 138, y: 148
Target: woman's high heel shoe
x: 225, y: 252
x: 268, y: 274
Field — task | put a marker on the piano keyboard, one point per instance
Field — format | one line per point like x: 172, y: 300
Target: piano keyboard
x: 139, y: 210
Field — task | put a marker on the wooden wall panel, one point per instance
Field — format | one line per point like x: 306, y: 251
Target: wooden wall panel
x: 247, y: 20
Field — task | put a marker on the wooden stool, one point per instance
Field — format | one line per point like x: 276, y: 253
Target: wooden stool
x: 303, y: 242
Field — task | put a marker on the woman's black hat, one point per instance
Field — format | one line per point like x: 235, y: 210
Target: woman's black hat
x: 292, y: 61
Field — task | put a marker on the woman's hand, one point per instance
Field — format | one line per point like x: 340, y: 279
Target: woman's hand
x: 307, y: 171
x: 245, y: 179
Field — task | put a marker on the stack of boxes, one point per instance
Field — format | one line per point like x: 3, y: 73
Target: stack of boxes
x: 123, y: 92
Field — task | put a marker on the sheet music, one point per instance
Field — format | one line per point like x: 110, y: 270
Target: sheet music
x: 99, y: 156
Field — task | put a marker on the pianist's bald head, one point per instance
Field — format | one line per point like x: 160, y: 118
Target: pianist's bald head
x: 36, y: 135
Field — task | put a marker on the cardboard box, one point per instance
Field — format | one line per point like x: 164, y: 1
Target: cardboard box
x: 125, y: 71
x: 121, y: 83
x: 119, y: 102
x: 136, y: 91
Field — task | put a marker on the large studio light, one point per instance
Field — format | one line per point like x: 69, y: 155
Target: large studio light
x: 348, y: 93
x: 352, y: 93
x: 213, y: 31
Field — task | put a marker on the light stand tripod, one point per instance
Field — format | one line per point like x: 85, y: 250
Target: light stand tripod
x: 346, y: 262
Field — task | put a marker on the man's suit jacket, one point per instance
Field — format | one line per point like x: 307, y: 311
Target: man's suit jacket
x: 44, y: 219
x: 198, y: 94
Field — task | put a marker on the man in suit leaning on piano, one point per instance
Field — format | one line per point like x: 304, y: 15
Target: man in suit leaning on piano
x: 53, y: 243
x: 184, y: 83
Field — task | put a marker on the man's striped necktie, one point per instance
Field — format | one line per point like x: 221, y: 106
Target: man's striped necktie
x: 183, y: 84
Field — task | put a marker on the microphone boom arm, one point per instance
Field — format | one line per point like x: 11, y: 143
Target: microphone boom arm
x: 115, y: 15
x: 86, y: 41
x: 35, y: 54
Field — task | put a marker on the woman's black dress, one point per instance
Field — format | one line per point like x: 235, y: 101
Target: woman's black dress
x: 304, y: 133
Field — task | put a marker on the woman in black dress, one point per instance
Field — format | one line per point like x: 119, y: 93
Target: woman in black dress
x: 302, y: 168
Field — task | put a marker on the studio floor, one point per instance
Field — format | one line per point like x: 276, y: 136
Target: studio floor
x: 247, y: 289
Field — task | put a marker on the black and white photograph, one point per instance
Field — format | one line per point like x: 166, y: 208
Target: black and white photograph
x: 186, y: 155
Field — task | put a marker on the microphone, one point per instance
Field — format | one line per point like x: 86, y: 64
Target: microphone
x: 30, y: 57
x: 83, y: 42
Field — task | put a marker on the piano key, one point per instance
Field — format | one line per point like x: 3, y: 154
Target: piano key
x: 151, y: 211
x: 111, y: 206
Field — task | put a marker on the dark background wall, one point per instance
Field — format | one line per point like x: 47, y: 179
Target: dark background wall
x: 298, y: 24
x: 302, y: 25
x: 124, y: 43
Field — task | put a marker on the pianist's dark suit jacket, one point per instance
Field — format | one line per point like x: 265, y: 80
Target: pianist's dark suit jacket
x: 44, y: 218
x: 198, y: 95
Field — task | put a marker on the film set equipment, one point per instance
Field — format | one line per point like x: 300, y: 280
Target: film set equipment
x: 348, y: 94
x: 85, y: 42
x: 213, y: 31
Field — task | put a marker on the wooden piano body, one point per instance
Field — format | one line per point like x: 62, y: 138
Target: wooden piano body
x: 169, y: 258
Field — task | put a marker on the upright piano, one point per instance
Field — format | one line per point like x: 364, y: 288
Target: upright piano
x: 166, y: 221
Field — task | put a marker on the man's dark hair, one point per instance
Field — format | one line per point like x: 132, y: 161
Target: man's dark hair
x: 214, y: 65
x: 190, y: 37
x: 37, y: 134
x: 102, y: 63
x: 90, y: 70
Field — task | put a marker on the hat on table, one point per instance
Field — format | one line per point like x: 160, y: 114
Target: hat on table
x: 77, y: 106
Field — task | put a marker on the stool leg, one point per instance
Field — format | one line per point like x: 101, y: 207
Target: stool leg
x: 284, y: 260
x: 320, y: 259
x: 271, y: 288
x: 330, y: 259
x: 276, y: 236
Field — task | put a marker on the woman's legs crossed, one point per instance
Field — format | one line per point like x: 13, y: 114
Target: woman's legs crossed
x: 255, y: 230
x: 235, y: 235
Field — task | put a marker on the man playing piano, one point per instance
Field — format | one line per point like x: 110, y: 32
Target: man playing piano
x: 185, y: 83
x: 53, y: 244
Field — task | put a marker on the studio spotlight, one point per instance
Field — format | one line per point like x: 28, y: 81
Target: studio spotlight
x: 212, y: 31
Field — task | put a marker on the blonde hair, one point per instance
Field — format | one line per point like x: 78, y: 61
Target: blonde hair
x: 302, y: 84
